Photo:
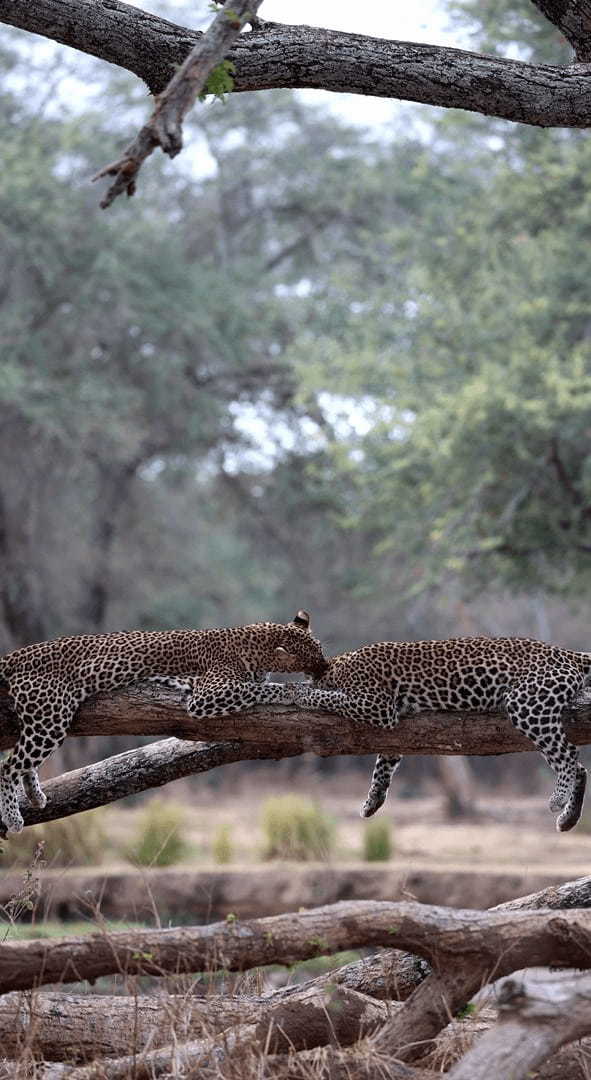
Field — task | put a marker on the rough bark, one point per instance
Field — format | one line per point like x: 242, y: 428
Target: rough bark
x: 134, y: 771
x: 573, y: 19
x: 299, y: 56
x: 472, y: 944
x: 145, y: 710
x: 333, y: 1008
x: 264, y: 733
x: 538, y: 1014
x: 165, y: 126
x: 97, y: 1026
x: 83, y: 1027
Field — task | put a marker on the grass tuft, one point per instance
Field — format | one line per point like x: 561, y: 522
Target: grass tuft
x: 296, y: 828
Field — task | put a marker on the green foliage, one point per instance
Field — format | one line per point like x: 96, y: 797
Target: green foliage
x: 160, y: 836
x: 79, y: 840
x: 220, y: 82
x: 296, y: 828
x: 377, y: 840
x: 222, y: 847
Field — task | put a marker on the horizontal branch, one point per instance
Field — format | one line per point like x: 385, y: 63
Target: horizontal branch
x: 60, y: 1027
x: 146, y: 710
x: 496, y: 941
x: 65, y: 1027
x: 301, y: 56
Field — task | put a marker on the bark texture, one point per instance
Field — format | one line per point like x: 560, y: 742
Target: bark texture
x: 470, y: 944
x: 276, y: 56
x: 98, y: 1026
x: 145, y: 710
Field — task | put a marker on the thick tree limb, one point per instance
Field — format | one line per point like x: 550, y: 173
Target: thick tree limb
x: 327, y: 1009
x: 539, y: 1014
x: 145, y: 710
x: 68, y: 1026
x: 265, y: 733
x: 83, y: 1027
x: 488, y: 943
x: 301, y: 56
x: 165, y: 126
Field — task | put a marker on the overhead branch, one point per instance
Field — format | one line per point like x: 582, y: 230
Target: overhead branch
x: 275, y: 56
x: 165, y: 126
x: 573, y: 19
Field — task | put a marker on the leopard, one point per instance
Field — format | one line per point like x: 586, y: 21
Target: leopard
x: 218, y: 671
x: 532, y: 681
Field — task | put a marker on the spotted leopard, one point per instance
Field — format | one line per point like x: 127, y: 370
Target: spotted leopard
x: 218, y: 670
x: 532, y: 681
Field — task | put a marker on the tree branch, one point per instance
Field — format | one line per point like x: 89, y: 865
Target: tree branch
x: 269, y: 733
x: 487, y: 943
x: 143, y: 709
x: 164, y: 128
x: 302, y: 56
x: 573, y: 19
x: 92, y: 1026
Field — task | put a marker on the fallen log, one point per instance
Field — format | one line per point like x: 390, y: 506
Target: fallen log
x: 538, y: 1014
x: 488, y: 941
x: 83, y: 1027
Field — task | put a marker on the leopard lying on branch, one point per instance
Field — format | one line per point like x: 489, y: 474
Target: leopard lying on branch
x: 533, y: 681
x: 222, y: 671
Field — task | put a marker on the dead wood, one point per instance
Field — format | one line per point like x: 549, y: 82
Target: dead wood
x: 165, y: 126
x: 488, y: 944
x: 538, y: 1014
x: 84, y: 1027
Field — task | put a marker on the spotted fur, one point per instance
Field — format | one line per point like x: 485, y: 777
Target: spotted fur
x: 533, y: 681
x: 219, y: 671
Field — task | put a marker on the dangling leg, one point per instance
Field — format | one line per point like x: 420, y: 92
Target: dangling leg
x: 572, y: 811
x: 542, y: 723
x: 384, y: 770
x: 369, y: 706
x: 33, y: 789
x: 45, y: 714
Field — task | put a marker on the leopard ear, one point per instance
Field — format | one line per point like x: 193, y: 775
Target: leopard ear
x: 302, y: 619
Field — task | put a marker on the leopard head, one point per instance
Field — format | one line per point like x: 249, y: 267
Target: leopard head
x: 295, y: 649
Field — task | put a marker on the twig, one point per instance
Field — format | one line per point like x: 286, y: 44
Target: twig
x: 165, y: 126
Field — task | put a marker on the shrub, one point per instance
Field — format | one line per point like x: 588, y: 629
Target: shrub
x: 377, y: 841
x: 160, y: 837
x: 222, y: 848
x: 79, y: 840
x: 296, y: 828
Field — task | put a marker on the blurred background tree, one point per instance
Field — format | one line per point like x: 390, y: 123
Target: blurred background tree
x: 321, y: 366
